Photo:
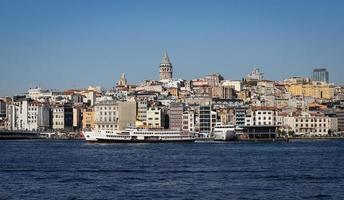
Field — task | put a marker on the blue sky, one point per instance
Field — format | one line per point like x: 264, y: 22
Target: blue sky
x: 73, y: 44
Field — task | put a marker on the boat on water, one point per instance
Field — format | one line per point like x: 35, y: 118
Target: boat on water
x: 133, y: 135
x: 18, y: 135
x: 224, y: 132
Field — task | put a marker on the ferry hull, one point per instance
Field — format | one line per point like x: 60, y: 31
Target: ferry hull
x: 140, y: 141
x: 141, y: 136
x: 225, y: 137
x: 230, y: 138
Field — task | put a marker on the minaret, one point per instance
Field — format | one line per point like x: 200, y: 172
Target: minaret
x: 166, y: 70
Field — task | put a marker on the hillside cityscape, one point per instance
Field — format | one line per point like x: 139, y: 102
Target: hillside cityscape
x: 297, y: 106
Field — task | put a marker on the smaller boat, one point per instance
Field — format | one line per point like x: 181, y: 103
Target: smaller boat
x: 224, y: 132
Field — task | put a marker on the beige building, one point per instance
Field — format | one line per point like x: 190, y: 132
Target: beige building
x: 142, y: 107
x: 222, y: 92
x: 311, y: 124
x: 88, y: 119
x: 173, y: 91
x: 62, y: 117
x: 323, y: 91
x: 156, y: 118
x: 281, y: 102
x: 244, y: 95
x: 126, y: 114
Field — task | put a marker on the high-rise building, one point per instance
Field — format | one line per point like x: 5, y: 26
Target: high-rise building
x: 320, y: 74
x: 142, y: 107
x: 175, y: 114
x: 207, y: 119
x: 166, y: 69
x: 189, y: 121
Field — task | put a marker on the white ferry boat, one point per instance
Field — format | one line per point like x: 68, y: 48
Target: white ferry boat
x: 131, y: 135
x: 224, y: 132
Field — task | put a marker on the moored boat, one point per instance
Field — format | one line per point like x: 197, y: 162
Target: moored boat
x: 132, y: 135
x: 224, y: 132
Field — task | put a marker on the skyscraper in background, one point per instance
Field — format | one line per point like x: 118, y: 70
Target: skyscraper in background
x: 320, y: 74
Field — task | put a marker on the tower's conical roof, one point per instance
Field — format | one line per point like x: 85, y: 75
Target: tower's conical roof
x: 165, y: 59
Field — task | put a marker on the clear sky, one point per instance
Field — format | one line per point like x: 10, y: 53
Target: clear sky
x: 72, y: 44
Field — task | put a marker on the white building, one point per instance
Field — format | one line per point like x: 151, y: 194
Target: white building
x: 311, y: 124
x: 142, y: 107
x: 97, y: 89
x: 256, y: 74
x: 39, y: 94
x: 189, y: 121
x: 237, y: 85
x: 106, y: 115
x: 28, y: 115
x: 261, y: 116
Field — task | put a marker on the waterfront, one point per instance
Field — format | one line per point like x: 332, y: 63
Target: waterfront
x: 45, y: 169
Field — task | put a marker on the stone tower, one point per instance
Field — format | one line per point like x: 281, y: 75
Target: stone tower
x: 166, y: 69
